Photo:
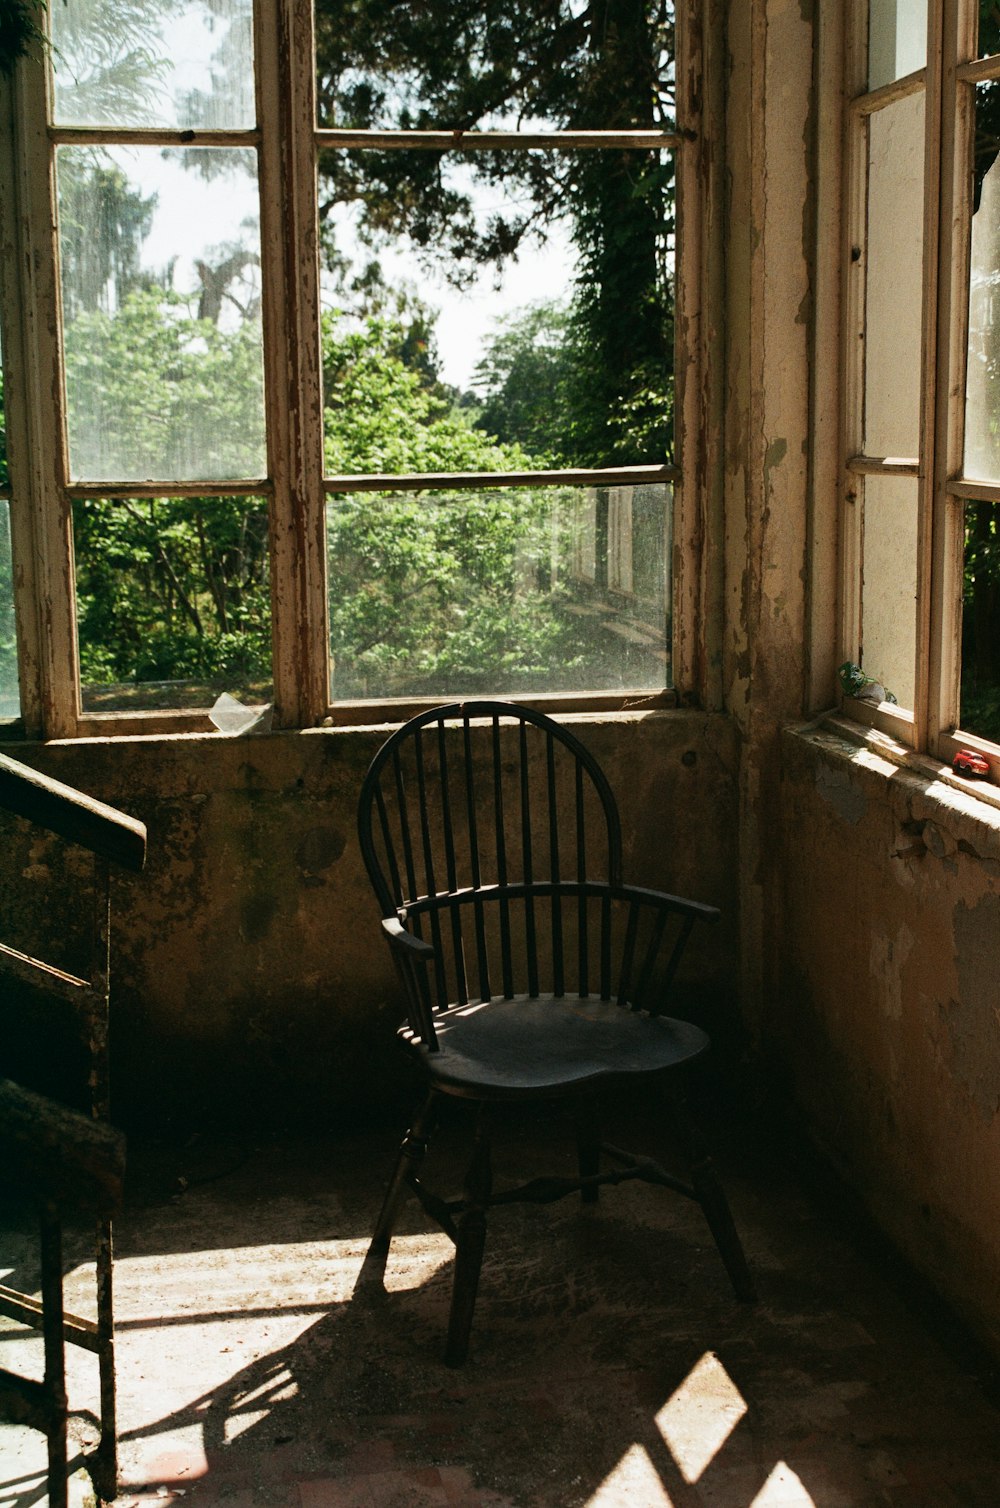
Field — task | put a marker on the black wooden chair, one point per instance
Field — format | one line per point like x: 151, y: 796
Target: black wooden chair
x: 531, y: 971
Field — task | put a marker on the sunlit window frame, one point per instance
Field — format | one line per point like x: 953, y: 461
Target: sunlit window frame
x: 287, y: 142
x: 948, y: 81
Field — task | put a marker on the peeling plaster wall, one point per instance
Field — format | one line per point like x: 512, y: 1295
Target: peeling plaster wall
x: 249, y: 974
x: 886, y: 1022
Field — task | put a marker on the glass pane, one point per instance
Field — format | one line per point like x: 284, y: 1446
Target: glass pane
x: 897, y: 39
x: 512, y: 590
x: 10, y: 696
x: 160, y: 260
x: 889, y: 585
x: 989, y: 28
x: 173, y: 601
x: 894, y: 299
x: 980, y: 706
x: 982, y: 396
x: 4, y: 474
x: 469, y: 328
x: 176, y: 63
x: 519, y: 65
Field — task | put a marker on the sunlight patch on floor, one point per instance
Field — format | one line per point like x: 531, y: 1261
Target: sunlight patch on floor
x: 700, y: 1415
x: 634, y: 1480
x: 783, y: 1489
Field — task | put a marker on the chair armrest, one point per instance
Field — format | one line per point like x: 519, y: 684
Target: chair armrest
x: 404, y: 944
x: 697, y: 910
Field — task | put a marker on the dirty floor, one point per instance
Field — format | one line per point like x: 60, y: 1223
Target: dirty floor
x: 610, y: 1366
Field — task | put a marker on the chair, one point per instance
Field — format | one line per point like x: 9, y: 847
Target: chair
x: 531, y: 972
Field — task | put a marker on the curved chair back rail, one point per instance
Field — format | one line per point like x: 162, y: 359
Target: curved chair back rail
x: 446, y: 805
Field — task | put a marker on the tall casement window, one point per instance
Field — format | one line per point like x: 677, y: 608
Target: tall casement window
x: 343, y: 357
x: 921, y: 527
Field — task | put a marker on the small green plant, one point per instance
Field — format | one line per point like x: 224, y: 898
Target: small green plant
x: 854, y: 682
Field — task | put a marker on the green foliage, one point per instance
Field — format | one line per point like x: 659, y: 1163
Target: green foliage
x: 434, y: 593
x: 174, y: 589
x: 19, y: 31
x: 463, y: 64
x: 154, y: 391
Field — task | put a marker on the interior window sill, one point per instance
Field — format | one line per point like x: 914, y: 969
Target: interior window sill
x: 947, y: 811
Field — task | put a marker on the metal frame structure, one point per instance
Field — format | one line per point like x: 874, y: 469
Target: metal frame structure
x: 42, y: 1143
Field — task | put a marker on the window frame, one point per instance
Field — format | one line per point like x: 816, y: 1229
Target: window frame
x: 287, y: 141
x: 948, y: 79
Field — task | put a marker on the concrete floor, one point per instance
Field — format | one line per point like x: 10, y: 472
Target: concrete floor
x: 611, y: 1365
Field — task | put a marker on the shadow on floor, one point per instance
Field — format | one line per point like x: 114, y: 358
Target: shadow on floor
x: 611, y: 1364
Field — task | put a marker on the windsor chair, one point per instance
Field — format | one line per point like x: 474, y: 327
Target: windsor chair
x: 530, y: 970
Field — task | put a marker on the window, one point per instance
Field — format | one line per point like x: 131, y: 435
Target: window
x: 348, y: 372
x: 920, y: 536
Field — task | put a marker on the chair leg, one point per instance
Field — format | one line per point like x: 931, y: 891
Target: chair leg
x: 588, y: 1148
x: 711, y: 1196
x: 55, y: 1356
x: 469, y: 1245
x: 411, y: 1155
x: 104, y: 1471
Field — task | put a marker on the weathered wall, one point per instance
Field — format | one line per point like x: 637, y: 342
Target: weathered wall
x: 771, y: 236
x: 886, y: 1022
x: 249, y: 973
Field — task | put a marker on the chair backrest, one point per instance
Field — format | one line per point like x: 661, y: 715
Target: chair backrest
x: 479, y: 824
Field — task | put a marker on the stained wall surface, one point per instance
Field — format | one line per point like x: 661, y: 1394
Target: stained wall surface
x: 886, y: 1024
x: 249, y: 971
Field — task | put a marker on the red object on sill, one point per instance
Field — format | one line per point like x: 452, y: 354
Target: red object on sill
x: 968, y: 762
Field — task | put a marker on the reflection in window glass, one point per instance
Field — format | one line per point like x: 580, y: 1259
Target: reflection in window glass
x: 529, y: 340
x: 982, y: 397
x: 4, y: 475
x: 160, y: 264
x: 894, y: 298
x: 980, y: 706
x: 10, y: 697
x: 889, y: 584
x: 173, y: 601
x: 897, y: 39
x: 176, y: 63
x: 499, y: 591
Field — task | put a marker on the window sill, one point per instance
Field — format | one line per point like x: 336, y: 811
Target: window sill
x: 938, y: 811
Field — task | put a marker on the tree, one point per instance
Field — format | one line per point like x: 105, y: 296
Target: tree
x: 461, y: 64
x: 526, y: 380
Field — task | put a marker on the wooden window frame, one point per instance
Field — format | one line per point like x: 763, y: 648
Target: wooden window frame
x: 287, y: 142
x: 932, y: 725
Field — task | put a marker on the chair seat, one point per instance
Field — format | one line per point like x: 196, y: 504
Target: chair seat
x: 549, y: 1045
